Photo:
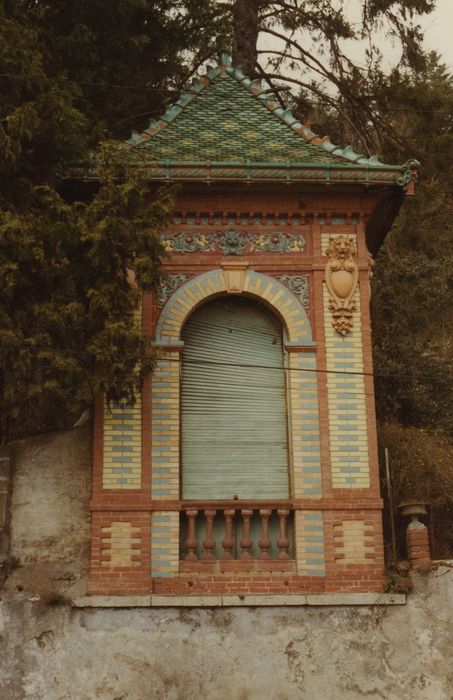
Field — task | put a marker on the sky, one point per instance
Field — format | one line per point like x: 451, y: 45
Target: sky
x: 438, y: 28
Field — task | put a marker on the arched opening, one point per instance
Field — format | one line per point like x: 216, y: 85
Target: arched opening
x: 234, y: 441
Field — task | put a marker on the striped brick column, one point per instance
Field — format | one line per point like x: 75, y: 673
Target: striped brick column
x: 122, y: 452
x: 349, y: 451
x: 310, y: 554
x: 304, y: 429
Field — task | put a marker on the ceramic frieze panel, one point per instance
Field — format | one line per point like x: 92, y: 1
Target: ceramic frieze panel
x: 233, y: 242
x: 298, y: 285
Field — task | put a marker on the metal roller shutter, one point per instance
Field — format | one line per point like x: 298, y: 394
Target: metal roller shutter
x: 234, y: 434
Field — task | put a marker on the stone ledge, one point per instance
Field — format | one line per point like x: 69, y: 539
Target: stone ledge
x: 218, y: 601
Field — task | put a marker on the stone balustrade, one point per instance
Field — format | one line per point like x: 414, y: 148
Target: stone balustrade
x: 240, y: 533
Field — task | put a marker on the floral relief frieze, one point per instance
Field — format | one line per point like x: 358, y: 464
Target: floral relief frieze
x: 298, y: 285
x: 168, y: 285
x: 233, y: 242
x: 188, y: 242
x: 277, y: 243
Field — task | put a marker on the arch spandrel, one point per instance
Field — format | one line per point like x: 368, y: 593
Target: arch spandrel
x: 250, y: 283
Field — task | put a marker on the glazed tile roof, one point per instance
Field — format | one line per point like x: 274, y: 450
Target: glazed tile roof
x: 227, y: 127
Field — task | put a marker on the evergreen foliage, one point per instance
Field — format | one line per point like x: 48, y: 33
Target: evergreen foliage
x: 67, y: 327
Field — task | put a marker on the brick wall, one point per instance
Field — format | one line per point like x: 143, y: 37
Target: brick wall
x: 334, y: 472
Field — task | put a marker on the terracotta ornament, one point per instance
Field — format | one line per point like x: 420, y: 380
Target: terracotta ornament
x: 342, y: 278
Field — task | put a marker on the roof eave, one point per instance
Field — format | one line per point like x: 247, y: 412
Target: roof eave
x: 290, y: 172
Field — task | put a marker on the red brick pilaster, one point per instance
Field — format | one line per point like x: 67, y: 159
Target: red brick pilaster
x: 417, y: 539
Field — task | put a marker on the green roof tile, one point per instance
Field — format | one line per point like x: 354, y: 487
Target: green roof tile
x: 225, y: 118
x: 225, y: 122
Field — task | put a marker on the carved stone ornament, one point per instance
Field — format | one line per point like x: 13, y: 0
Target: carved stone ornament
x: 168, y: 285
x: 232, y: 243
x: 342, y: 278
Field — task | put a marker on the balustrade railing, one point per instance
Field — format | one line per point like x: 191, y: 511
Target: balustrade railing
x: 227, y: 532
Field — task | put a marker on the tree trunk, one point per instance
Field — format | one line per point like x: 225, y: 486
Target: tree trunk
x: 245, y: 35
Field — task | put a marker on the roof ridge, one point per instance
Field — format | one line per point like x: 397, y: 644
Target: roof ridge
x: 268, y: 99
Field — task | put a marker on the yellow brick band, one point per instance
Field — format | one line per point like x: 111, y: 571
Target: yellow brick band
x: 354, y: 542
x: 120, y: 542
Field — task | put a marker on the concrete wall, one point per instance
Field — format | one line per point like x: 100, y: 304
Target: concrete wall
x: 51, y: 651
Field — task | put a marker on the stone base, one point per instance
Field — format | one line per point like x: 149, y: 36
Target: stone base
x: 211, y: 601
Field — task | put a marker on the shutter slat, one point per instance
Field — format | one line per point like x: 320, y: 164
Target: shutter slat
x: 234, y: 440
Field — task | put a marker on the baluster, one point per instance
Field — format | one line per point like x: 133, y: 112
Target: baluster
x: 246, y: 542
x: 191, y: 541
x: 228, y: 541
x: 209, y: 542
x: 264, y: 543
x: 283, y: 542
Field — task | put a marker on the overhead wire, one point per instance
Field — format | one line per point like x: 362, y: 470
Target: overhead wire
x: 285, y: 368
x: 145, y: 88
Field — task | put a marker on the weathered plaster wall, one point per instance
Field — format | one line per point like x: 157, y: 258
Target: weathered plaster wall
x: 49, y: 518
x: 249, y: 654
x: 55, y: 652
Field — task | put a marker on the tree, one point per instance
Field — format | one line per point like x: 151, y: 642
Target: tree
x: 413, y: 340
x: 303, y: 45
x: 67, y: 327
x: 412, y: 298
x: 66, y: 305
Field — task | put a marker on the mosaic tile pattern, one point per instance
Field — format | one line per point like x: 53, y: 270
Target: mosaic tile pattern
x: 165, y: 429
x: 121, y: 544
x: 304, y: 412
x: 354, y: 542
x: 122, y: 455
x: 310, y: 554
x: 346, y: 401
x: 227, y: 123
x: 164, y: 544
